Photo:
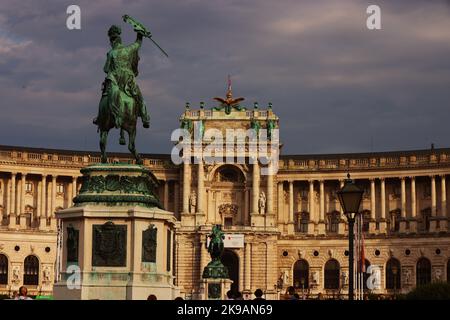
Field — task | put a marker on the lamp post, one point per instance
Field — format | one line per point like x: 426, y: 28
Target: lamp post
x: 350, y: 198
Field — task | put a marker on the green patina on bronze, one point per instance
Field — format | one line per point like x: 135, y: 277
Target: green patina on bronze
x: 122, y: 102
x: 118, y: 184
x: 215, y: 268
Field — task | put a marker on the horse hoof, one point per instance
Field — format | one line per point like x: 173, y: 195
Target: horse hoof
x: 122, y: 141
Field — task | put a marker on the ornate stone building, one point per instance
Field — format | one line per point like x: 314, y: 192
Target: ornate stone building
x: 284, y: 229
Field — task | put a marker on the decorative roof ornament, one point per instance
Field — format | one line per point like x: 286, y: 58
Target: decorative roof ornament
x: 229, y: 102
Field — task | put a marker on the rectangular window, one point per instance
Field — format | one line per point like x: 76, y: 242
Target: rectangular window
x: 60, y: 188
x: 29, y: 186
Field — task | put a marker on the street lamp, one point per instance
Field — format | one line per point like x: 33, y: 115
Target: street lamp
x: 350, y: 198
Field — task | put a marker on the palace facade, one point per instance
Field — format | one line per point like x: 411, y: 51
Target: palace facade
x: 281, y: 230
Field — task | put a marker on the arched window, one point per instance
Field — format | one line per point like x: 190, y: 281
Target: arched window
x: 228, y: 173
x: 31, y: 274
x: 423, y: 272
x: 333, y: 221
x: 301, y: 274
x: 332, y: 274
x: 3, y: 269
x: 393, y: 274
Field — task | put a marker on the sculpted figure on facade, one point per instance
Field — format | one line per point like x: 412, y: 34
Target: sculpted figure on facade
x: 262, y: 202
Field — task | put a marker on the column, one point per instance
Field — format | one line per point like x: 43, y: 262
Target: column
x: 13, y: 193
x: 43, y: 215
x: 247, y: 266
x: 321, y: 207
x: 186, y: 185
x: 443, y: 215
x: 291, y: 208
x: 166, y: 195
x: 413, y: 222
x: 311, y: 201
x: 383, y: 223
x: 312, y: 216
x: 372, y: 223
x: 176, y: 195
x: 434, y: 224
x: 22, y: 193
x: 200, y: 186
x: 246, y: 206
x: 403, y: 204
x: 74, y: 189
x: 322, y: 201
x: 53, y: 205
x: 433, y: 196
x: 342, y: 222
x: 270, y: 193
x: 39, y: 199
x: 280, y: 195
x: 21, y: 210
x: 255, y: 187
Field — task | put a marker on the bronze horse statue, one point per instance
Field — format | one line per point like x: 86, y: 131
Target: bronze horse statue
x: 121, y: 102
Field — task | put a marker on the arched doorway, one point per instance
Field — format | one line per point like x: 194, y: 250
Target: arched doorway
x: 393, y: 274
x: 3, y: 269
x: 332, y: 272
x: 231, y: 261
x: 31, y: 274
x: 301, y: 274
x: 423, y: 272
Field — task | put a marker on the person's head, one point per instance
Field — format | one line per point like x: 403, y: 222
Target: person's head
x: 230, y: 294
x: 178, y: 298
x: 238, y: 296
x: 114, y: 35
x: 151, y: 297
x: 296, y: 296
x: 258, y: 293
x: 291, y: 290
x: 23, y: 291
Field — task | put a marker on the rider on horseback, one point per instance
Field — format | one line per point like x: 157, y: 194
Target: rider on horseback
x: 121, y: 70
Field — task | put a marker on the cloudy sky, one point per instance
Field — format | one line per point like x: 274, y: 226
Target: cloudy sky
x: 337, y: 86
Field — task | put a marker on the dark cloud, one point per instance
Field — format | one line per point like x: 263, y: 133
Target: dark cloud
x: 336, y: 86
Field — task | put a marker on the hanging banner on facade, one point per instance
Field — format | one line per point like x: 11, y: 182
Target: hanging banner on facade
x: 232, y: 240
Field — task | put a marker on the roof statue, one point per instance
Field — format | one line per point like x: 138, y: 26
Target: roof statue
x: 229, y: 102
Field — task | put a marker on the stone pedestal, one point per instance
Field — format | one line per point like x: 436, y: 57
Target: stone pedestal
x: 270, y: 220
x: 382, y: 225
x: 214, y: 289
x: 23, y: 221
x: 413, y: 225
x: 257, y: 220
x: 321, y: 228
x: 311, y: 228
x: 403, y: 224
x: 372, y: 227
x: 341, y: 227
x: 290, y: 228
x: 117, y: 241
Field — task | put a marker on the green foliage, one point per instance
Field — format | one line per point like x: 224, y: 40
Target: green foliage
x: 432, y: 291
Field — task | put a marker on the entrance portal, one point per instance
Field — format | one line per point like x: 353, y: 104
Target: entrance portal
x: 231, y: 261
